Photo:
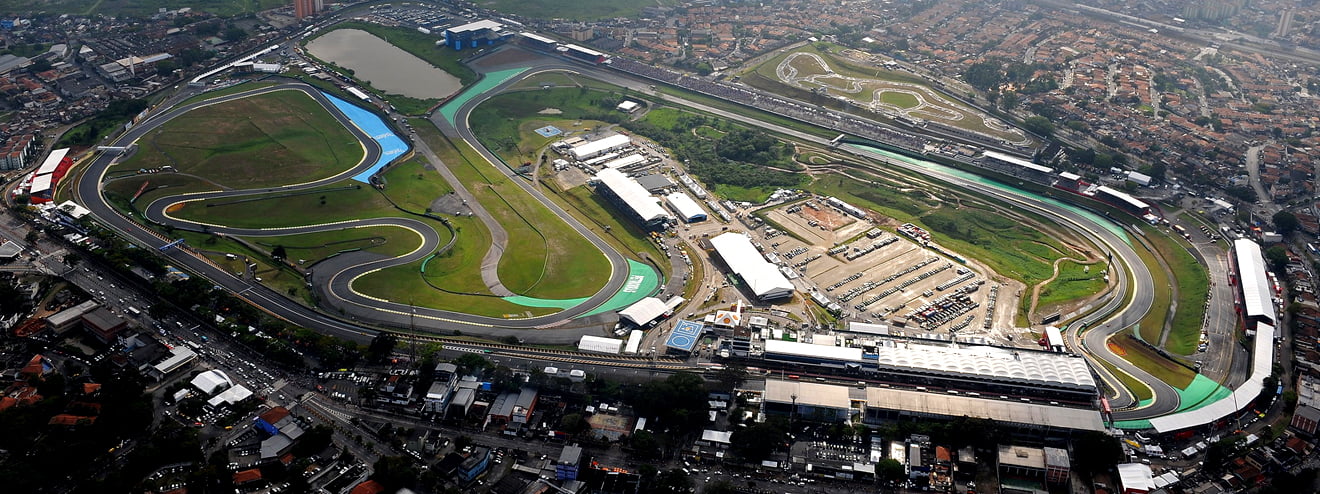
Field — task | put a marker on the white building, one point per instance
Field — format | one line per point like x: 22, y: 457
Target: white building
x: 597, y: 344
x: 600, y: 146
x: 685, y: 207
x: 763, y: 278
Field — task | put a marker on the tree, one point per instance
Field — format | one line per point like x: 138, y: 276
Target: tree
x: 1038, y: 125
x: 889, y: 470
x: 984, y: 75
x: 644, y: 444
x: 731, y: 376
x: 1285, y: 222
x: 278, y: 253
x: 757, y: 442
x: 382, y: 346
x: 234, y: 33
x: 471, y: 362
x: 1096, y: 452
x: 1277, y: 256
x: 574, y: 423
x: 670, y: 481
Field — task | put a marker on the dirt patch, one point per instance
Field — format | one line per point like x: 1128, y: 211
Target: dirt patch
x: 828, y: 218
x: 551, y: 111
x: 505, y: 57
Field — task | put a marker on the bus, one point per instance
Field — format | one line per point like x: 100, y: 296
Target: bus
x: 134, y: 311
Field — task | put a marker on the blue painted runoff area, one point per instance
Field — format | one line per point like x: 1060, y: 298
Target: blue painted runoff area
x: 390, y: 144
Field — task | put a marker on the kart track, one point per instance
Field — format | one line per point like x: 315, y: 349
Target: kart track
x: 1131, y: 301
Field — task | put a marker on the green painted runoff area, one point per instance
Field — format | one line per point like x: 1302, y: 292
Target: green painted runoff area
x: 565, y: 303
x: 487, y: 83
x: 642, y: 281
x: 1201, y: 392
x: 1109, y: 225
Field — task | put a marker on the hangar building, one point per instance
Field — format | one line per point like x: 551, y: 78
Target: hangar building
x: 762, y: 278
x: 631, y: 198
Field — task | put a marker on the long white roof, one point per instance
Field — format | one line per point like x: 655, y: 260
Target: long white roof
x: 230, y: 396
x: 600, y: 145
x: 53, y: 161
x: 781, y: 347
x: 1123, y: 196
x: 633, y: 194
x: 42, y: 183
x: 629, y: 160
x: 924, y: 404
x: 685, y: 206
x: 1256, y: 291
x: 763, y: 278
x: 644, y: 311
x: 477, y: 26
x: 998, y: 363
x: 1262, y: 363
x: 1018, y: 161
x: 597, y: 344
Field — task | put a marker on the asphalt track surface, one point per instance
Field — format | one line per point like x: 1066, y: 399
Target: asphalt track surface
x: 334, y: 277
x: 1115, y: 316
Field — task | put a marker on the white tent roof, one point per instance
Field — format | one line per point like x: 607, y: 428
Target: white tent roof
x: 211, y: 381
x: 685, y: 206
x: 763, y: 278
x: 1255, y: 285
x: 633, y: 194
x: 1136, y: 476
x: 597, y: 344
x: 53, y: 161
x: 1014, y: 160
x: 1262, y: 361
x: 644, y: 311
x: 598, y: 146
x: 230, y: 396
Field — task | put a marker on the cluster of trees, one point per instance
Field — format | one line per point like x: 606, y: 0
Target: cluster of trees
x: 114, y: 115
x: 739, y: 158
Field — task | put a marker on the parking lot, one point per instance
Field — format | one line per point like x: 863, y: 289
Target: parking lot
x: 876, y: 274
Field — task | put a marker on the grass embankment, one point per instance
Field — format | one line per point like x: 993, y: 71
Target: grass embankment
x: 1075, y: 281
x: 267, y: 140
x: 1193, y: 282
x: 545, y: 257
x: 1139, y: 389
x: 1150, y: 361
x: 505, y: 123
x: 603, y: 219
x: 247, y: 86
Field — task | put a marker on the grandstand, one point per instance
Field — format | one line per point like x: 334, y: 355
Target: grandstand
x: 474, y: 34
x: 598, y: 147
x: 537, y: 41
x: 763, y: 279
x: 1122, y: 201
x: 878, y: 405
x: 629, y: 196
x: 1257, y: 298
x: 1016, y: 166
x: 583, y: 53
x: 686, y: 209
x: 975, y: 368
x: 41, y: 186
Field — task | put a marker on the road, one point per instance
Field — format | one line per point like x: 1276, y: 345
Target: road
x: 1107, y: 321
x: 333, y: 278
